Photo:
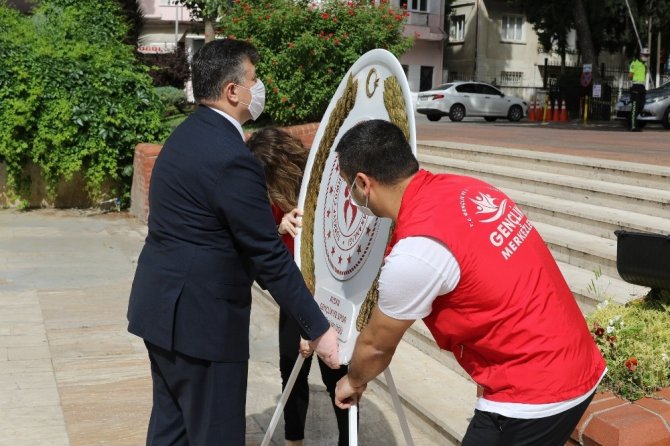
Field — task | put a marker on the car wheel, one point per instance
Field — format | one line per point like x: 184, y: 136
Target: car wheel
x: 666, y: 119
x: 490, y: 118
x: 457, y: 113
x: 434, y: 118
x: 515, y: 113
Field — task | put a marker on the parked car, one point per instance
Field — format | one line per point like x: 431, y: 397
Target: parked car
x: 460, y: 99
x: 656, y: 107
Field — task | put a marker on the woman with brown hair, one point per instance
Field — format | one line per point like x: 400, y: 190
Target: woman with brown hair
x: 283, y: 158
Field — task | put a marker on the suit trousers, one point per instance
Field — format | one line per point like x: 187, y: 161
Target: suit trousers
x: 295, y: 410
x: 196, y: 402
x: 492, y: 429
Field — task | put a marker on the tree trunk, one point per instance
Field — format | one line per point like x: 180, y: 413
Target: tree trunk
x: 209, y: 29
x: 584, y: 37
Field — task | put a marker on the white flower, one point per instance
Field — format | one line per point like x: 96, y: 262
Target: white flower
x: 602, y: 304
x: 664, y: 357
x: 610, y: 329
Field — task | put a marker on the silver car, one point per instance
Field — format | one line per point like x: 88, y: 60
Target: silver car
x: 656, y: 107
x: 460, y: 99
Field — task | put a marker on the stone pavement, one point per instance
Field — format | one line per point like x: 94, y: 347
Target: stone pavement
x: 70, y: 374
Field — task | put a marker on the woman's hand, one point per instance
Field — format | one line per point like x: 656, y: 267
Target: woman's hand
x: 290, y: 223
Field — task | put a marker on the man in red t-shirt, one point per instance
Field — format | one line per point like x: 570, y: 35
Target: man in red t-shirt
x: 464, y: 258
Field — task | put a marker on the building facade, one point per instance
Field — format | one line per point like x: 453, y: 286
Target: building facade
x: 491, y: 41
x: 168, y: 25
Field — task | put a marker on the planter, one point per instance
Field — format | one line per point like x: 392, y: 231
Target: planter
x: 612, y: 421
x: 146, y: 154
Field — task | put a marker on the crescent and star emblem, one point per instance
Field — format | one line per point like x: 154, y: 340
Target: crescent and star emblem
x: 375, y: 82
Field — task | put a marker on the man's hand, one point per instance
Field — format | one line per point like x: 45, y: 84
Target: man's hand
x: 305, y: 349
x: 346, y: 395
x: 290, y: 223
x: 326, y: 348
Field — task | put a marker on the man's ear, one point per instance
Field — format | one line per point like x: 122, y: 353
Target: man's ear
x: 364, y: 180
x: 230, y: 93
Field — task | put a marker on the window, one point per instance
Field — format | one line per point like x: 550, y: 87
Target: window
x: 457, y: 28
x: 415, y: 5
x: 511, y: 77
x: 168, y: 3
x: 512, y: 28
x: 467, y: 88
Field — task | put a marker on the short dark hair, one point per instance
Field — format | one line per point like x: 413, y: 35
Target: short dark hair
x: 377, y: 148
x: 217, y: 63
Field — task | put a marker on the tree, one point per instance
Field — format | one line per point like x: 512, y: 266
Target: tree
x: 208, y: 11
x: 305, y: 50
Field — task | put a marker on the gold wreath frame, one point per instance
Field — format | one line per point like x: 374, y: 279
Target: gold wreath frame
x: 395, y: 105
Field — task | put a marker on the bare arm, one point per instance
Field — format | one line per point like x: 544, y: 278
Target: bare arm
x: 374, y: 350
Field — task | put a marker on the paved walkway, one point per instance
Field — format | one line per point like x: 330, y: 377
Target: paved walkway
x: 70, y: 374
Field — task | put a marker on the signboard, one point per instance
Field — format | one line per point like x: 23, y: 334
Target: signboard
x: 597, y: 90
x: 340, y: 250
x: 156, y: 48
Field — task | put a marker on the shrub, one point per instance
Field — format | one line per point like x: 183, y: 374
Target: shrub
x: 635, y: 341
x: 168, y: 70
x: 306, y: 49
x: 173, y: 99
x: 72, y: 96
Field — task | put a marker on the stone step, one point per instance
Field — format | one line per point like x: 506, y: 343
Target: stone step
x: 576, y: 248
x: 622, y: 172
x: 585, y: 217
x: 607, y: 194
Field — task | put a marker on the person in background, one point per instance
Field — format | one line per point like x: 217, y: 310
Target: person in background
x: 637, y: 72
x: 464, y: 258
x: 210, y: 235
x: 283, y: 158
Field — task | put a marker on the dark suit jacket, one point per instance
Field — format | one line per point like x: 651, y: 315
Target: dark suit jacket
x: 211, y: 234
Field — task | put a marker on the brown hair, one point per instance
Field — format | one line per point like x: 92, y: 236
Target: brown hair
x: 283, y: 158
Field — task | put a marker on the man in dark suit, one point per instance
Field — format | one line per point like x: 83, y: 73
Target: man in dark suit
x: 211, y: 234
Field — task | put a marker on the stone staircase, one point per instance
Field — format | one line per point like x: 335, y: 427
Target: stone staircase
x: 576, y: 204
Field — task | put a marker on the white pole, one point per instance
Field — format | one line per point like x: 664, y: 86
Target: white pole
x: 282, y: 401
x: 398, y: 407
x: 632, y: 20
x: 659, y: 62
x: 176, y: 26
x: 353, y: 425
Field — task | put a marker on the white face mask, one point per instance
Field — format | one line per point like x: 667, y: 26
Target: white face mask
x: 257, y: 103
x: 364, y: 209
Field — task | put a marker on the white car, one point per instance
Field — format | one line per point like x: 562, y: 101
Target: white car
x: 460, y: 99
x: 656, y: 107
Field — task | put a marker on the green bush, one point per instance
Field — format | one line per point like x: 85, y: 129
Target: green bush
x: 173, y: 99
x: 306, y: 50
x: 72, y: 96
x: 635, y: 341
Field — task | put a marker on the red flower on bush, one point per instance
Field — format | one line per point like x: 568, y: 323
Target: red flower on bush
x: 599, y: 331
x: 325, y: 16
x: 631, y: 363
x: 611, y: 339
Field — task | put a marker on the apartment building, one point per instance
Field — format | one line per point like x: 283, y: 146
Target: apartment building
x: 490, y: 41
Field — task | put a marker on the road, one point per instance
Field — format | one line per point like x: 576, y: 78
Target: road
x: 609, y: 140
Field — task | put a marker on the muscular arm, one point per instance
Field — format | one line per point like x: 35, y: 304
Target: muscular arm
x: 375, y: 347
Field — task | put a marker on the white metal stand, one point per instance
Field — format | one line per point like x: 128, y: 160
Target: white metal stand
x: 353, y: 410
x: 282, y: 400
